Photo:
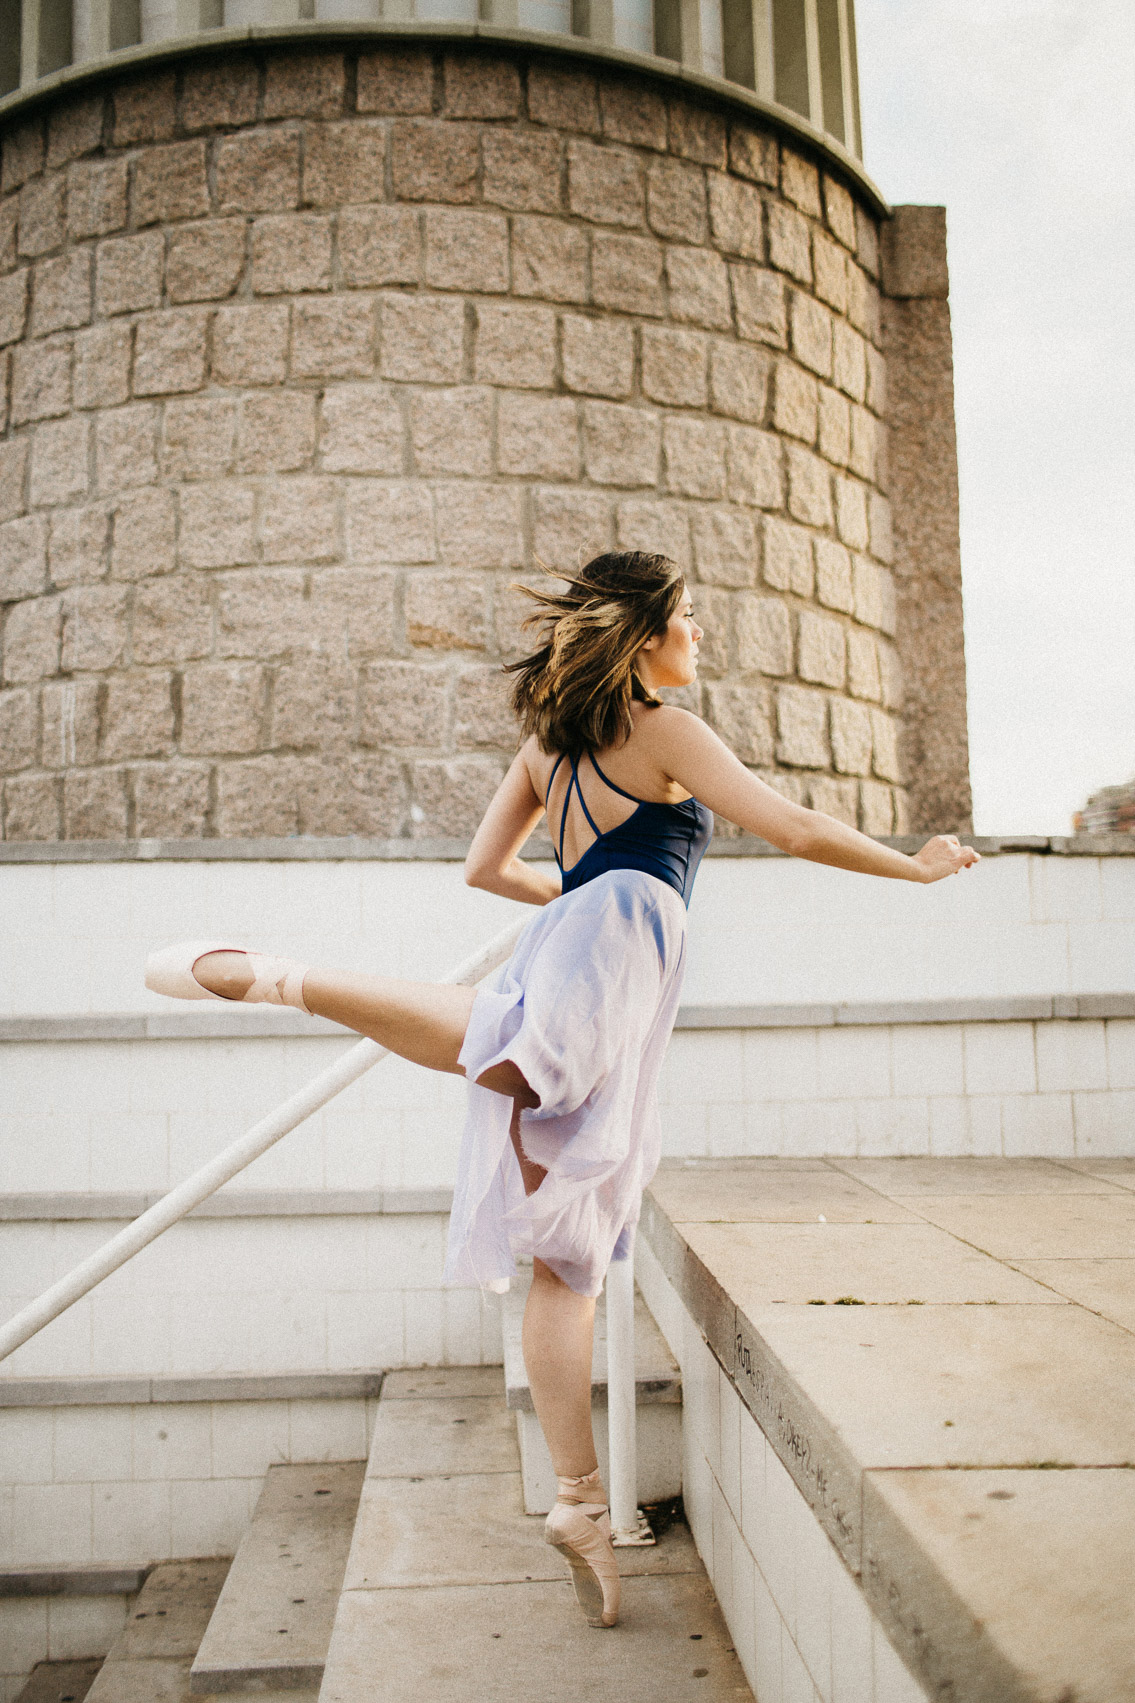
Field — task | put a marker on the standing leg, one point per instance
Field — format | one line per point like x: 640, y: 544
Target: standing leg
x: 559, y: 1329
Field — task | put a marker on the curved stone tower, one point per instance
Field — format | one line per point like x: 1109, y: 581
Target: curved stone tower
x: 319, y: 337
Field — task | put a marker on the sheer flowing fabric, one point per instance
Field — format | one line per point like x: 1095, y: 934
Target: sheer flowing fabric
x: 584, y: 1009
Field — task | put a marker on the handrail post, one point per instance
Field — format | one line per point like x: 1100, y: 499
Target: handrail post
x: 627, y: 1524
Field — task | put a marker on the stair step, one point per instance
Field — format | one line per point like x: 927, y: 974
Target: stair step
x: 272, y: 1625
x: 60, y: 1682
x: 658, y: 1391
x: 452, y: 1594
x: 150, y: 1659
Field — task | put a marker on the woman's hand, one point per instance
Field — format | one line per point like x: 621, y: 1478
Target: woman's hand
x: 943, y: 855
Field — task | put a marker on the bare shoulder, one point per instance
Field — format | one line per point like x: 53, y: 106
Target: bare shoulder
x: 664, y: 729
x: 538, y: 763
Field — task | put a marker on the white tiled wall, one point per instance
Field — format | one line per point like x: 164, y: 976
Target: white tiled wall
x: 250, y: 1295
x: 57, y: 1629
x: 89, y: 1115
x: 143, y: 1114
x: 762, y: 930
x: 78, y: 1116
x: 1053, y: 1088
x: 138, y: 1483
x: 800, y: 1624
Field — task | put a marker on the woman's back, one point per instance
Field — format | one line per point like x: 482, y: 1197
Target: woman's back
x: 598, y: 822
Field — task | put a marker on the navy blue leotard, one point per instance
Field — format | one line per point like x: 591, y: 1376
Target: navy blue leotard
x: 666, y: 840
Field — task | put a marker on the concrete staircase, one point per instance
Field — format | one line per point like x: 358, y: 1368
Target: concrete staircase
x: 451, y: 1593
x: 422, y: 1570
x: 272, y: 1623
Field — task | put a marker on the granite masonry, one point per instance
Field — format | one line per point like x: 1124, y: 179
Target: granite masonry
x: 310, y: 356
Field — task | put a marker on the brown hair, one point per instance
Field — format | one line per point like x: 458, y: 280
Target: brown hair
x: 575, y: 692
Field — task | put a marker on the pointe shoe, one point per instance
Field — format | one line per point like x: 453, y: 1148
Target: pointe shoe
x: 278, y: 981
x: 579, y: 1526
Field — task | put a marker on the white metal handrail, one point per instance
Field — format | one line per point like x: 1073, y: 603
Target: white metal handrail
x: 190, y: 1193
x: 298, y: 1107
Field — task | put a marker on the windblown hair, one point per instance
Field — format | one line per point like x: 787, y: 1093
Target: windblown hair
x: 575, y: 692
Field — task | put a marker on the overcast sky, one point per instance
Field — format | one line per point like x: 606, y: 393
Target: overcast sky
x: 1019, y: 115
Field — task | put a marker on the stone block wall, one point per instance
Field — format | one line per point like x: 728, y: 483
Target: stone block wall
x: 310, y: 355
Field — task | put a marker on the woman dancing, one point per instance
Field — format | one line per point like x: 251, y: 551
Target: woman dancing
x: 562, y: 1046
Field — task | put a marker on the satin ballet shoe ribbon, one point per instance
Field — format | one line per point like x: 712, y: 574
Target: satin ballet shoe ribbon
x: 579, y: 1526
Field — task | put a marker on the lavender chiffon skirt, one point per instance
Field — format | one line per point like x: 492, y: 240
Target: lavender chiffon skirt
x: 584, y: 1009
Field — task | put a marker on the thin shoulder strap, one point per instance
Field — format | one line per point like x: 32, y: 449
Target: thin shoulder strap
x: 595, y: 829
x: 611, y: 784
x: 552, y: 776
x: 547, y: 797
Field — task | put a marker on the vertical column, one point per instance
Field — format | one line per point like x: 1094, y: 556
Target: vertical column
x: 29, y: 42
x: 855, y: 120
x: 621, y: 1396
x: 712, y: 39
x: 690, y: 28
x: 90, y: 29
x: 764, y: 74
x: 923, y: 476
x: 815, y: 75
x: 847, y: 75
x: 601, y: 22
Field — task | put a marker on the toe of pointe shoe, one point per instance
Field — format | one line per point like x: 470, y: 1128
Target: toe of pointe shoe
x: 170, y: 971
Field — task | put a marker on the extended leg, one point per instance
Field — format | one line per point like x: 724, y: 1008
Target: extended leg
x: 422, y: 1021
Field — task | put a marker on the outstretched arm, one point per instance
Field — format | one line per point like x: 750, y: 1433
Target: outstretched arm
x: 692, y: 754
x: 493, y: 861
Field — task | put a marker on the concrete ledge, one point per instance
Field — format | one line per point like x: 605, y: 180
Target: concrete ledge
x: 892, y: 1326
x: 305, y: 849
x: 89, y: 1580
x: 274, y: 1024
x: 62, y: 1207
x: 134, y: 1392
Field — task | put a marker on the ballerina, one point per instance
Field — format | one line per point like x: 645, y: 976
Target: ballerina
x: 562, y: 1045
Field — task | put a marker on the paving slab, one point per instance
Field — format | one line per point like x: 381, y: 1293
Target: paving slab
x: 171, y: 1612
x: 1063, y: 1226
x: 471, y: 1529
x: 877, y: 1263
x: 150, y: 1659
x: 272, y: 1623
x: 166, y: 1681
x: 443, y: 1382
x: 742, y: 1193
x: 960, y: 1386
x: 452, y: 1594
x: 419, y: 1435
x: 902, y: 1177
x: 507, y: 1643
x: 1106, y: 1287
x: 1121, y: 1172
x: 1010, y: 1587
x: 60, y: 1682
x: 860, y: 1400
